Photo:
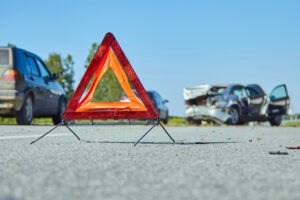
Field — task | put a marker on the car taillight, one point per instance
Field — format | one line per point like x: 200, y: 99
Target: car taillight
x: 10, y: 75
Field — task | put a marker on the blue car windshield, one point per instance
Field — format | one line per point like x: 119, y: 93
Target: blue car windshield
x: 217, y: 90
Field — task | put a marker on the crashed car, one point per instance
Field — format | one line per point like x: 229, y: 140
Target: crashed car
x: 235, y: 104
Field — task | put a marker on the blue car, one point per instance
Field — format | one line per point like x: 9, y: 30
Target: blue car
x: 27, y: 88
x: 158, y: 102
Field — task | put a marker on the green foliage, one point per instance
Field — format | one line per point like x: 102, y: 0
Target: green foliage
x: 91, y: 54
x: 69, y: 76
x: 64, y: 67
x: 11, y: 45
x: 55, y: 65
x: 108, y: 88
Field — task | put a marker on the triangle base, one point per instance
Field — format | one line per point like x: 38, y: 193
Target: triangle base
x: 109, y: 115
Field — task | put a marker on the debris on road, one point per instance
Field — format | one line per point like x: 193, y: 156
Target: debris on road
x: 278, y: 153
x: 297, y: 147
x: 201, y: 142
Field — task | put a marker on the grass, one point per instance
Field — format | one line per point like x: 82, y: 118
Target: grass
x: 35, y: 121
x: 173, y: 121
x: 176, y: 121
x: 291, y: 124
x: 7, y: 121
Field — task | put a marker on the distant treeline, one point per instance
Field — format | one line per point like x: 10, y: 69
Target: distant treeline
x: 108, y: 88
x: 292, y: 117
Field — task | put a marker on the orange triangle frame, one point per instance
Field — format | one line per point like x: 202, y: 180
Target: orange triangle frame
x: 110, y: 55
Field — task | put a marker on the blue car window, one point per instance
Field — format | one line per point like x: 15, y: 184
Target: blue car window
x: 31, y: 66
x: 251, y: 92
x: 278, y: 93
x: 238, y: 92
x: 43, y: 70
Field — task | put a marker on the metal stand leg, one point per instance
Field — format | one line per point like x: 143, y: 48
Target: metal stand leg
x: 73, y: 132
x: 166, y: 132
x: 156, y: 122
x: 63, y: 123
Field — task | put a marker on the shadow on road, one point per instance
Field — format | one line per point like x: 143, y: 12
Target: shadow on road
x: 176, y: 143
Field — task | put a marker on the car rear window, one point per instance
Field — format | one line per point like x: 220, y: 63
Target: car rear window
x: 4, y: 57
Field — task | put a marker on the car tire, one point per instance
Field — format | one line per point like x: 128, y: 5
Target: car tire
x: 166, y: 120
x: 57, y: 118
x: 234, y: 116
x: 197, y: 122
x: 275, y: 120
x: 25, y: 115
x: 191, y: 121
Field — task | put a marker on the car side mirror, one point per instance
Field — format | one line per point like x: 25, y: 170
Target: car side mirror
x: 54, y: 76
x: 272, y: 98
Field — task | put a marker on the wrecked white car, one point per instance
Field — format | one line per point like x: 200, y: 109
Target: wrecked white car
x: 235, y: 104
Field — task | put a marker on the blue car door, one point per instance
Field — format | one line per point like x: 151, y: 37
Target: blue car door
x: 280, y: 101
x: 49, y: 86
x: 36, y: 85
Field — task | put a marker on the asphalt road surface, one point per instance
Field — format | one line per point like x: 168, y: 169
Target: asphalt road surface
x: 204, y: 163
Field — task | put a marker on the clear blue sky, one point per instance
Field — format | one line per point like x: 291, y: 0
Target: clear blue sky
x: 171, y: 44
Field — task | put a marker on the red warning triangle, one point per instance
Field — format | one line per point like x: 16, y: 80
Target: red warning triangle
x: 110, y: 56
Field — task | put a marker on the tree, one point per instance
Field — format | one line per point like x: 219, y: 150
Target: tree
x: 108, y: 88
x: 64, y: 67
x: 69, y: 76
x: 55, y: 65
x: 11, y: 45
x: 92, y: 52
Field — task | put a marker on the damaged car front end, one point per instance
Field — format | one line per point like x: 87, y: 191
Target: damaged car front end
x: 207, y: 103
x: 235, y: 104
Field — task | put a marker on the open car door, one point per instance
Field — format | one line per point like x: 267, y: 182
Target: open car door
x: 280, y: 100
x: 257, y: 100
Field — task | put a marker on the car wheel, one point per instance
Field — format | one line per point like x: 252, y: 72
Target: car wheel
x: 234, y: 116
x: 56, y: 119
x: 197, y: 122
x: 166, y: 120
x: 25, y: 115
x: 275, y: 120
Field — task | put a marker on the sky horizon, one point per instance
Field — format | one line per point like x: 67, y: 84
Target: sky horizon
x: 170, y: 44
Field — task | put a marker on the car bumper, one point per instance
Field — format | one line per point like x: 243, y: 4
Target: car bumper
x: 10, y: 100
x: 204, y: 112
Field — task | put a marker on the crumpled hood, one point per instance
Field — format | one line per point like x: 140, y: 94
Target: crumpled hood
x: 195, y: 91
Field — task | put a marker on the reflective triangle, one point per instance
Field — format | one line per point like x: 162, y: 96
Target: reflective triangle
x: 110, y: 56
